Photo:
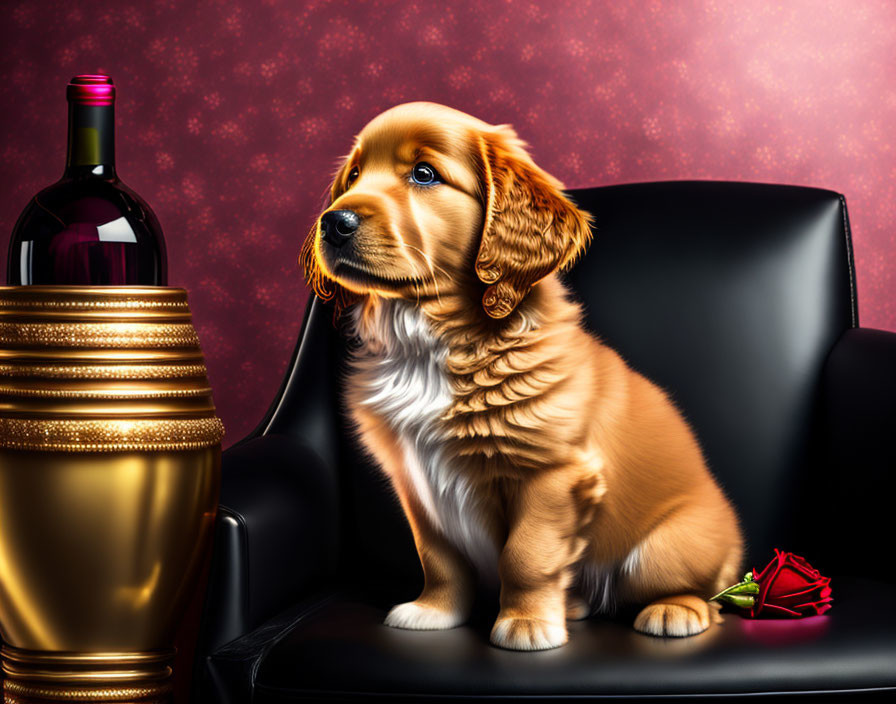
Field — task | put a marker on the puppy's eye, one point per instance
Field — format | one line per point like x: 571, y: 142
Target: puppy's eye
x: 425, y: 175
x: 352, y: 175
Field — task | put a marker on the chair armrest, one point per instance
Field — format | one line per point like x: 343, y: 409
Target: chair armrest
x: 276, y: 537
x: 228, y: 674
x: 858, y: 443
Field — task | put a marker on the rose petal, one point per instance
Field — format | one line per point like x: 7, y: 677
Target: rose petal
x: 818, y: 585
x: 818, y: 608
x: 811, y: 603
x: 759, y: 575
x: 787, y: 581
x: 798, y: 563
x: 768, y: 576
x: 780, y: 609
x: 794, y: 602
x: 802, y: 568
x: 802, y: 565
x: 774, y: 593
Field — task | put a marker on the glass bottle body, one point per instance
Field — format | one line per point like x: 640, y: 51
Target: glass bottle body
x: 87, y: 231
x: 88, y: 228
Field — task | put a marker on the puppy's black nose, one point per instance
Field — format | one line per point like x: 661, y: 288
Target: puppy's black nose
x: 338, y: 226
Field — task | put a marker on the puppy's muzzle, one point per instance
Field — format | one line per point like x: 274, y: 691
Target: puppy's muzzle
x: 338, y: 226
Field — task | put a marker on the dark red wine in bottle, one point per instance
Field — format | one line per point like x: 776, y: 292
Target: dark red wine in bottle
x: 88, y: 228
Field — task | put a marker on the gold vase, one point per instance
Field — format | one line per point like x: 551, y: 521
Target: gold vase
x: 110, y: 456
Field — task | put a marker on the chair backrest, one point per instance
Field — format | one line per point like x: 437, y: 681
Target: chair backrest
x: 729, y: 295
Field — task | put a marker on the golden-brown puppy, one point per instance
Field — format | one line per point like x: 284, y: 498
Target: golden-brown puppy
x: 517, y: 443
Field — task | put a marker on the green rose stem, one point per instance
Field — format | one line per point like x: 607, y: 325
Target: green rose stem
x: 740, y: 594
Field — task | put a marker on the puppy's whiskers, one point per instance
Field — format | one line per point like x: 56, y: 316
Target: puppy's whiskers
x: 404, y: 245
x: 435, y: 283
x: 431, y: 264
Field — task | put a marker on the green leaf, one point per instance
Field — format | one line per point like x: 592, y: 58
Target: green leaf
x: 742, y: 601
x: 748, y: 586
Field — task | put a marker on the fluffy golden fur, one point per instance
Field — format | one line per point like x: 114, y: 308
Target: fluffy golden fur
x: 578, y: 471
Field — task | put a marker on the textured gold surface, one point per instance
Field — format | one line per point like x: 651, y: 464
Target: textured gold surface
x: 92, y: 296
x: 106, y: 371
x: 97, y: 334
x: 36, y: 676
x: 10, y: 698
x: 81, y: 694
x: 109, y: 479
x: 85, y: 693
x: 134, y: 303
x: 111, y: 393
x: 110, y: 435
x: 91, y: 368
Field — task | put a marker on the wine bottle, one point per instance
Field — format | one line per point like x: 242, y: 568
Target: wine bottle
x: 88, y: 228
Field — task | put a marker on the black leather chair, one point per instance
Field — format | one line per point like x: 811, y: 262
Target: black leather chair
x: 740, y: 299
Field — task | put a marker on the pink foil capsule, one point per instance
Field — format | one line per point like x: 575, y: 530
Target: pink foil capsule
x: 91, y: 89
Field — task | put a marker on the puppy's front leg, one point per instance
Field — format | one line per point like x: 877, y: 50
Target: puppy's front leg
x: 448, y: 580
x: 447, y: 594
x: 546, y: 514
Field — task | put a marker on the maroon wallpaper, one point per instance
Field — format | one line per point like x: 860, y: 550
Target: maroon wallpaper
x: 232, y: 117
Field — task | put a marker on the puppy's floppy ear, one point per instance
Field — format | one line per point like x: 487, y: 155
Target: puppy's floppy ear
x: 530, y: 228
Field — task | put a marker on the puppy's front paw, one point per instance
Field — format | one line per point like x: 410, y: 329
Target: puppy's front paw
x: 528, y: 634
x: 417, y: 616
x: 672, y: 620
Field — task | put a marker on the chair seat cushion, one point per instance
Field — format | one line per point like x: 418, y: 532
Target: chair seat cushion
x: 342, y: 649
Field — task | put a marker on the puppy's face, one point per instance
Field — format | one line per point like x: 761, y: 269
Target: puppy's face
x: 404, y: 209
x: 430, y: 198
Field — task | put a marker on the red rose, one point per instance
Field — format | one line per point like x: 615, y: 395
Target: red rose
x: 790, y: 586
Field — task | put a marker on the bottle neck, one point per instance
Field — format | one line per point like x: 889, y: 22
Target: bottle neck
x: 91, y: 141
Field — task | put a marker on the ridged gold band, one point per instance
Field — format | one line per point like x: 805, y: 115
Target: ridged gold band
x: 109, y: 435
x: 128, y: 372
x: 86, y: 693
x: 115, y: 659
x: 73, y: 304
x: 93, y: 296
x: 104, y: 393
x: 88, y: 677
x: 10, y: 698
x: 126, y: 355
x: 98, y: 335
x: 33, y: 676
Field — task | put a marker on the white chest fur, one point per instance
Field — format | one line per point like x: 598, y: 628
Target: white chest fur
x: 399, y: 372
